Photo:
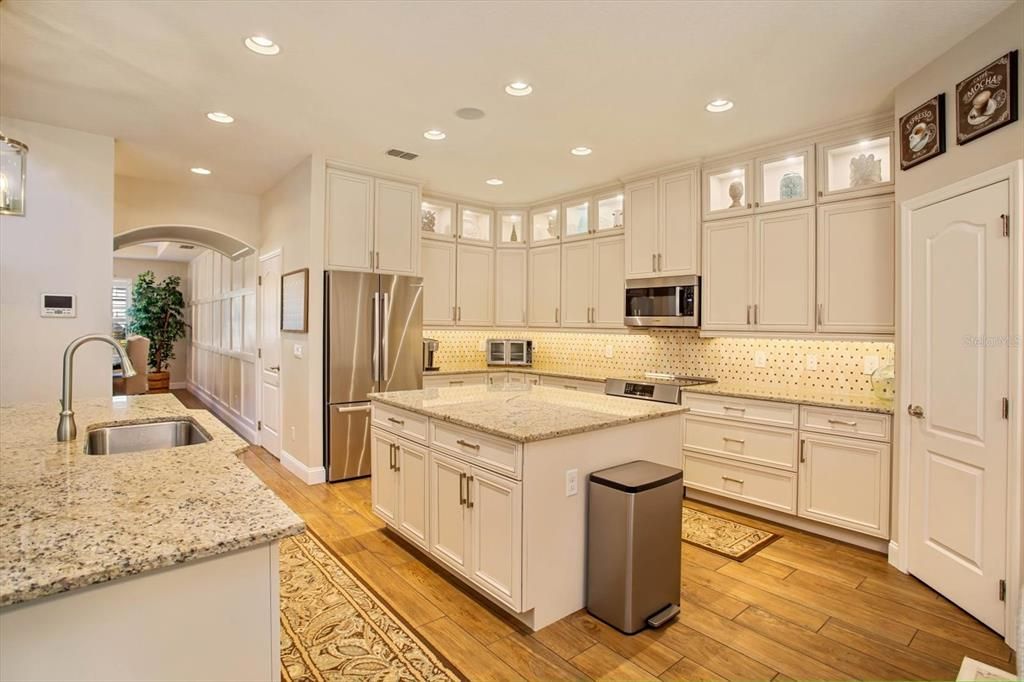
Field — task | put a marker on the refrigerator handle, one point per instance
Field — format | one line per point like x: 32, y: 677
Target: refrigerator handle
x: 386, y: 315
x: 376, y: 337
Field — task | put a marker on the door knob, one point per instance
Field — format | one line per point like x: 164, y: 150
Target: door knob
x: 915, y: 411
x: 275, y: 368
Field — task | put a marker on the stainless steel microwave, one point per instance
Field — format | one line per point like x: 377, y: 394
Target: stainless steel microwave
x: 663, y: 302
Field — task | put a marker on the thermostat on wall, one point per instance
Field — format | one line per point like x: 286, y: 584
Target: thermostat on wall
x: 57, y: 305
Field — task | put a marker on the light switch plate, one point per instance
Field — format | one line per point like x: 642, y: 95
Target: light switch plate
x: 483, y: 345
x: 297, y: 350
x: 812, y: 362
x: 609, y: 351
x: 870, y: 363
x: 760, y: 359
x: 572, y: 482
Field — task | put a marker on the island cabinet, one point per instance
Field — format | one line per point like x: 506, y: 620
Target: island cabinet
x: 496, y: 512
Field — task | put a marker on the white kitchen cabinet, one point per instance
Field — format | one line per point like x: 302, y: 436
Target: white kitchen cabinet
x: 497, y: 378
x: 512, y: 228
x: 439, y: 271
x: 372, y: 224
x: 856, y: 165
x: 349, y: 215
x: 609, y: 213
x: 728, y: 282
x: 784, y: 179
x: 641, y: 202
x: 609, y: 282
x: 449, y: 516
x: 438, y: 218
x: 413, y: 495
x: 679, y: 224
x: 577, y: 283
x: 510, y: 287
x: 784, y: 271
x: 496, y: 535
x: 384, y: 478
x: 475, y: 285
x: 583, y: 385
x: 577, y: 219
x: 544, y: 276
x: 397, y: 227
x: 857, y: 266
x: 728, y: 189
x: 476, y: 225
x: 545, y: 225
x: 845, y: 482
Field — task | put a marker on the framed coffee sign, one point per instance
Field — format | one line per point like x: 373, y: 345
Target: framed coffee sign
x: 923, y: 132
x: 987, y: 100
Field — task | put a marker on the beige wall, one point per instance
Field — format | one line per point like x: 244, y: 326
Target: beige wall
x: 61, y: 245
x: 139, y: 203
x: 129, y: 269
x: 996, y: 38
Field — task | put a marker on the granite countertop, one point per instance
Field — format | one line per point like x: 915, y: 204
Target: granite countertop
x: 525, y: 413
x: 520, y: 369
x: 68, y: 519
x: 798, y: 394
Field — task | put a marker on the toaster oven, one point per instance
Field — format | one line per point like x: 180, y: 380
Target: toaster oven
x: 510, y: 352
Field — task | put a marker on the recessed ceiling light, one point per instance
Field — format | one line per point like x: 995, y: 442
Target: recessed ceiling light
x: 581, y: 151
x: 434, y: 134
x: 220, y: 117
x: 518, y: 89
x: 717, y: 106
x: 495, y: 182
x: 201, y: 171
x: 262, y: 45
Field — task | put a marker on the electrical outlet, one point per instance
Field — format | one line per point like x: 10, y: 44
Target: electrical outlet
x: 572, y: 482
x: 812, y: 362
x: 609, y: 351
x: 760, y: 359
x: 870, y: 363
x: 483, y: 345
x: 297, y: 350
x: 292, y: 431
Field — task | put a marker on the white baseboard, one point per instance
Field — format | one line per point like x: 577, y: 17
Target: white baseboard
x: 896, y: 559
x: 237, y: 424
x: 178, y: 384
x: 309, y: 475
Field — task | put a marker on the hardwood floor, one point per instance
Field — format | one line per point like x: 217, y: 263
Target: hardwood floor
x: 803, y: 608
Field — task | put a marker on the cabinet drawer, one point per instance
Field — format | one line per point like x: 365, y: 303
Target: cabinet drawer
x: 754, y: 411
x: 764, y: 445
x: 573, y: 384
x: 407, y: 424
x: 845, y: 422
x: 454, y: 380
x: 762, y: 486
x: 501, y: 456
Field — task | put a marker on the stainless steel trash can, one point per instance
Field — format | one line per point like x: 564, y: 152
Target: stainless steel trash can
x: 634, y: 538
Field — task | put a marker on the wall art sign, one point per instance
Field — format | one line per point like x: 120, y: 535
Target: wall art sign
x: 987, y: 100
x: 295, y: 301
x: 923, y: 132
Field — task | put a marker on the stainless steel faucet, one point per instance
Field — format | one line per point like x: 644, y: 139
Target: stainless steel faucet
x: 66, y: 429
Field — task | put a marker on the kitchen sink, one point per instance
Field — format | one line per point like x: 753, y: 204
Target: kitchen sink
x: 171, y: 433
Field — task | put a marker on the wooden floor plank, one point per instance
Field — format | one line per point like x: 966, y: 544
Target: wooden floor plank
x: 688, y: 670
x: 772, y: 568
x: 409, y: 603
x: 640, y: 649
x: 564, y: 639
x: 920, y: 665
x: 534, y: 660
x: 854, y: 663
x: 601, y: 663
x: 702, y: 557
x: 921, y: 597
x: 823, y: 565
x: 944, y: 650
x: 712, y: 654
x: 722, y: 604
x: 474, y: 661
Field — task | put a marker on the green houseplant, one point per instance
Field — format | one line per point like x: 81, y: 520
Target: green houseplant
x: 156, y: 313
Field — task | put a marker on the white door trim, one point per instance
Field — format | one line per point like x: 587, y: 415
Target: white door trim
x: 899, y: 552
x: 264, y: 256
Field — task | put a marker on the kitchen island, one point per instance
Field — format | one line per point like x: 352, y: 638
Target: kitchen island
x: 159, y: 564
x: 490, y: 481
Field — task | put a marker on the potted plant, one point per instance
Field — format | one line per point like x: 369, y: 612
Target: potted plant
x: 156, y: 313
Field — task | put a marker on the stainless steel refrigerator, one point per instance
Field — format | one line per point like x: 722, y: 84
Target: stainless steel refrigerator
x: 373, y: 328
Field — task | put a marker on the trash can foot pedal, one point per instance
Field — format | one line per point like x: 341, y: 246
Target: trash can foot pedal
x: 663, y: 616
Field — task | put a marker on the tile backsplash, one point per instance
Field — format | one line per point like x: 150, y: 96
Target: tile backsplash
x: 840, y: 364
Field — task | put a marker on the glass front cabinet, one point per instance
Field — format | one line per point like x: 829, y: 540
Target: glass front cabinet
x: 577, y: 219
x: 729, y: 190
x: 856, y: 165
x: 545, y: 225
x: 476, y: 225
x: 437, y: 219
x: 774, y: 181
x: 512, y: 228
x: 610, y: 213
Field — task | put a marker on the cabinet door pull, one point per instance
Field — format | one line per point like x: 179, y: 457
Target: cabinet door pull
x: 654, y: 262
x: 659, y: 262
x: 803, y: 458
x: 755, y: 313
x: 842, y: 422
x: 378, y: 260
x: 453, y: 313
x: 741, y: 410
x: 391, y: 456
x: 467, y: 444
x: 462, y: 495
x: 400, y: 422
x: 734, y: 480
x: 398, y: 451
x: 733, y: 440
x: 557, y: 318
x: 748, y: 205
x: 821, y: 193
x: 469, y: 483
x: 456, y: 382
x: 819, y: 314
x: 748, y: 314
x: 458, y: 313
x: 757, y: 204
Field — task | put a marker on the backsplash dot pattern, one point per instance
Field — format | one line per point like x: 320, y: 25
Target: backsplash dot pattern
x: 729, y: 360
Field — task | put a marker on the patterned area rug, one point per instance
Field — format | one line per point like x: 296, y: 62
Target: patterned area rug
x: 722, y: 536
x: 334, y: 628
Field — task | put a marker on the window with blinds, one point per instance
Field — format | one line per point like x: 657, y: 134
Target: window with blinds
x: 120, y: 295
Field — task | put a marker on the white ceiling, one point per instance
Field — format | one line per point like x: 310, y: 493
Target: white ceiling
x: 168, y: 251
x: 629, y: 79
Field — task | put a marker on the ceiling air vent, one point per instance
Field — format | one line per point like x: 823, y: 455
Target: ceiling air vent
x: 408, y: 156
x: 186, y: 246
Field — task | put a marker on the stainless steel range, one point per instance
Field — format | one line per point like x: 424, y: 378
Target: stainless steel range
x: 656, y: 386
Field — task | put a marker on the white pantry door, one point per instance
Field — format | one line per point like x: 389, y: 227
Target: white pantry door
x: 959, y: 279
x: 270, y: 354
